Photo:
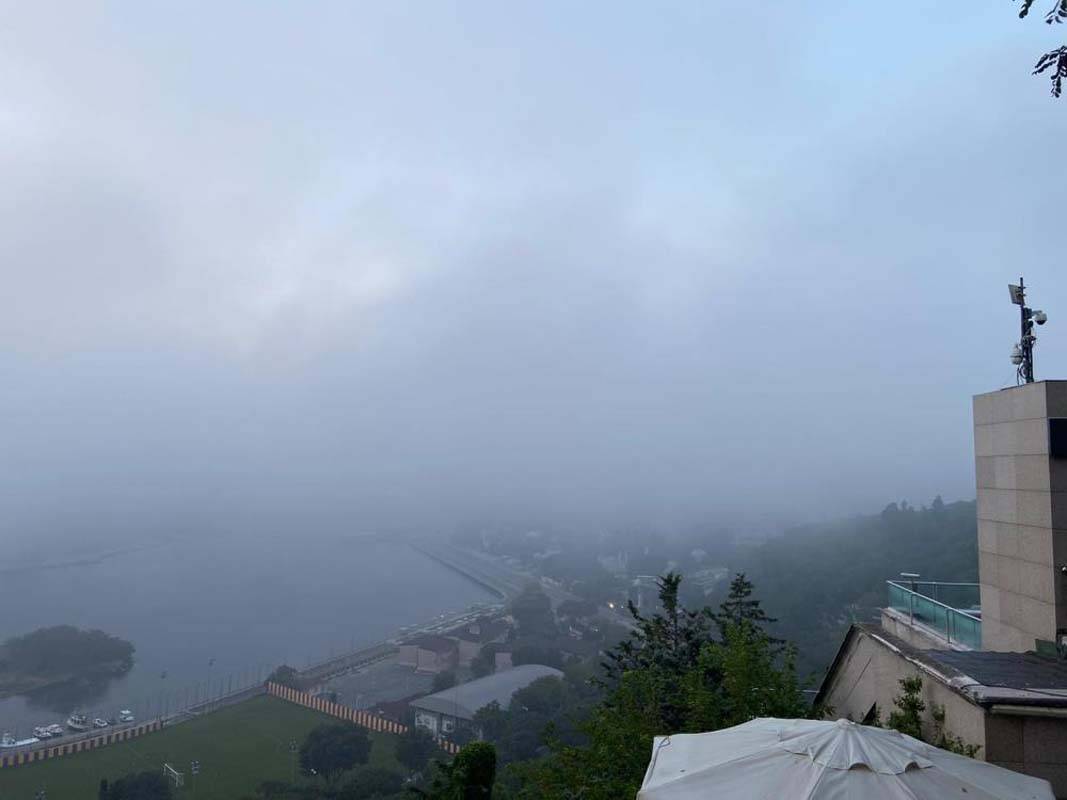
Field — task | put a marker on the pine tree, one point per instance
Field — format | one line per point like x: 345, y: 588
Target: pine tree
x: 739, y: 607
x: 670, y: 639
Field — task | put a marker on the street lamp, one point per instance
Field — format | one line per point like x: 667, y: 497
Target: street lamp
x: 1022, y: 352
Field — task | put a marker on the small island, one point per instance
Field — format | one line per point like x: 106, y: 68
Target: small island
x: 60, y: 654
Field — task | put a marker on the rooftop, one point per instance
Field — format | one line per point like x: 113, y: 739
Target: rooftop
x: 466, y: 699
x: 984, y: 677
x: 481, y: 630
x: 1020, y: 678
x: 438, y: 644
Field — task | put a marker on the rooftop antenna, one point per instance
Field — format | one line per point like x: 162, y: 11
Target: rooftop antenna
x: 1022, y: 353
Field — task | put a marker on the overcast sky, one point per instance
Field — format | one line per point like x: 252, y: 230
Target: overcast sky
x: 413, y: 264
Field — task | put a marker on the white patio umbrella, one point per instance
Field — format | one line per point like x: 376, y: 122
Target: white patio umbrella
x: 786, y: 759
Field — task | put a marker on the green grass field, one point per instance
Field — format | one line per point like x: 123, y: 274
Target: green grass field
x: 238, y: 748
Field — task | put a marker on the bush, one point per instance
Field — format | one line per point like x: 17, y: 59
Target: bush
x: 372, y: 782
x: 137, y: 786
x: 331, y: 749
x: 285, y: 676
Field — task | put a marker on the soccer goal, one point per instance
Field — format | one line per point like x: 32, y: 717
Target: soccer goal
x: 174, y: 775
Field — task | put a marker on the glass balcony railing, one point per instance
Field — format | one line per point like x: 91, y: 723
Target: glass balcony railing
x: 950, y: 609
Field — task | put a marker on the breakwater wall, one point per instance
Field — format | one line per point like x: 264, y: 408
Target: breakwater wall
x: 317, y: 673
x: 487, y: 576
x: 90, y: 741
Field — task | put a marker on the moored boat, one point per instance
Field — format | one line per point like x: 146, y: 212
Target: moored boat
x: 8, y: 741
x: 78, y: 722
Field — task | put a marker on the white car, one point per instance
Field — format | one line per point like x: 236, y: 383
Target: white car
x: 125, y: 715
x: 99, y: 723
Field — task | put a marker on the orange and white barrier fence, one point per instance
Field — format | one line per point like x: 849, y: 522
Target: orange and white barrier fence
x: 362, y: 718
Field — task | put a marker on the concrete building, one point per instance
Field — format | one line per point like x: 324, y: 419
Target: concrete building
x: 1020, y: 444
x: 428, y: 653
x: 444, y: 712
x: 990, y: 654
x: 1012, y: 705
x: 471, y: 637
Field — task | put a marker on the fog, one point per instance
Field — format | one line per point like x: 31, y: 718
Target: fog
x: 406, y: 266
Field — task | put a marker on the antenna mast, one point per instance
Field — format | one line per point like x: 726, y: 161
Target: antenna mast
x: 1022, y: 354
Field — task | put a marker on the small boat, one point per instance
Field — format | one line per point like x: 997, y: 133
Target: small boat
x: 99, y: 723
x: 125, y: 715
x: 55, y: 730
x: 8, y: 741
x: 42, y: 733
x: 78, y: 722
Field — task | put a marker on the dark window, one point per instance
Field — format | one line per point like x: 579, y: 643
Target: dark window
x: 1057, y: 437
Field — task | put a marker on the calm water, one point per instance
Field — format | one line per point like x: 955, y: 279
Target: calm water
x: 217, y: 614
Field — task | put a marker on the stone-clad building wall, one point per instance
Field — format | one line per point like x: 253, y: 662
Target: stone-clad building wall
x: 1022, y: 515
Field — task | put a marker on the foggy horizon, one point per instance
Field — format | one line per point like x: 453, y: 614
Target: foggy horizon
x: 420, y: 267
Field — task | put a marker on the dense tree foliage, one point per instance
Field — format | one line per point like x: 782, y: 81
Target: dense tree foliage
x: 484, y: 663
x: 362, y: 783
x: 470, y: 776
x: 414, y: 748
x: 677, y: 673
x: 532, y: 611
x: 818, y: 579
x: 65, y: 650
x: 139, y: 786
x: 371, y: 783
x: 547, y: 705
x: 666, y: 644
x: 285, y: 676
x: 332, y: 748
